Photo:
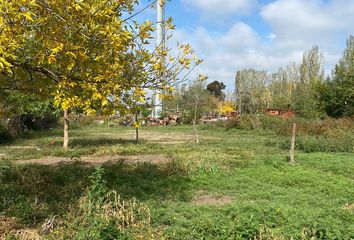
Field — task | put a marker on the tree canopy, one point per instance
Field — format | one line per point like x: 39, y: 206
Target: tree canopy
x: 216, y: 88
x: 337, y: 94
x: 84, y: 54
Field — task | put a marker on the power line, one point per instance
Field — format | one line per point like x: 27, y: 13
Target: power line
x: 140, y: 11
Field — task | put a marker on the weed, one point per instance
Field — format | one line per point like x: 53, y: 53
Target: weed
x: 102, y: 214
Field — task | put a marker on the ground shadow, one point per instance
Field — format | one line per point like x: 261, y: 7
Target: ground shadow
x: 48, y: 133
x: 32, y: 193
x: 96, y: 142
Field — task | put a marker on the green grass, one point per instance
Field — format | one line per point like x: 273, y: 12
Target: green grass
x: 245, y: 166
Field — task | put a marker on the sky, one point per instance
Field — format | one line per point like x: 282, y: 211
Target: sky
x: 231, y: 35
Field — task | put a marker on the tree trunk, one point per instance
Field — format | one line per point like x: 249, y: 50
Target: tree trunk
x: 136, y: 129
x: 195, y: 131
x: 194, y: 123
x: 292, y: 147
x: 240, y: 105
x: 66, y: 130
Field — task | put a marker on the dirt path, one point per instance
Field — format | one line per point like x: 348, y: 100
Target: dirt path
x: 213, y: 200
x: 98, y: 160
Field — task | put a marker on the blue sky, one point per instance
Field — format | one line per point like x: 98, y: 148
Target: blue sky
x: 263, y: 34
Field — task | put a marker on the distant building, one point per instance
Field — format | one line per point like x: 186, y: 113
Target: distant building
x: 285, y: 114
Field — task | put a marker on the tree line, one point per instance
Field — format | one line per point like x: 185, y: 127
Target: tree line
x: 302, y: 87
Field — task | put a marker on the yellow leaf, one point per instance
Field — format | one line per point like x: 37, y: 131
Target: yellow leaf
x: 5, y: 63
x: 70, y: 66
x: 28, y: 16
x: 77, y: 7
x: 187, y: 49
x: 136, y: 125
x: 51, y: 59
x: 57, y: 49
x: 70, y: 54
x: 202, y: 77
x: 104, y: 102
x: 33, y: 3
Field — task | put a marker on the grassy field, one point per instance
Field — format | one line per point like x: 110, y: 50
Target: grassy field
x: 230, y: 186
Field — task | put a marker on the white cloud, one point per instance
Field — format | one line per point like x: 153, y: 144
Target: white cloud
x: 271, y: 36
x: 295, y: 26
x: 239, y: 36
x: 302, y: 23
x: 306, y: 15
x: 224, y: 54
x: 218, y: 7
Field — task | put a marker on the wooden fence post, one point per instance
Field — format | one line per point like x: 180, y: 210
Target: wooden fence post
x: 292, y: 147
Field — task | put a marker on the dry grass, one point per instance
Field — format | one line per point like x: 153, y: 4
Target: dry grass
x: 97, y: 161
x: 10, y: 228
x: 212, y: 200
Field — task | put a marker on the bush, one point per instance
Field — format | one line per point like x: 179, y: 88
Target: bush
x: 314, y: 127
x: 313, y: 135
x: 250, y: 122
x: 260, y: 122
x: 4, y: 135
x: 328, y: 127
x: 322, y: 144
x: 102, y: 214
x: 275, y: 124
x: 232, y: 123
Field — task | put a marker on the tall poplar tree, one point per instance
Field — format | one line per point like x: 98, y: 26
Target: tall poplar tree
x: 306, y: 97
x: 337, y: 94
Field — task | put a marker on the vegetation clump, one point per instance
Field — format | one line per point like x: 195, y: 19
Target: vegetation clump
x: 103, y: 214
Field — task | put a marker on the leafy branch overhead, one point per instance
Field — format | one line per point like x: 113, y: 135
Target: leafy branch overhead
x: 84, y: 54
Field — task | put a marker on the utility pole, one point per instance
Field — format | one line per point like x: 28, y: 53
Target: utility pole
x: 160, y: 44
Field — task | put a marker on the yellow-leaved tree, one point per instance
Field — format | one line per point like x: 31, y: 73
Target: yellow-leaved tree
x: 84, y: 54
x: 226, y: 107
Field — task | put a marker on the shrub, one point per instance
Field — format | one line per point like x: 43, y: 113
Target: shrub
x: 102, y: 214
x: 275, y: 124
x: 327, y: 127
x: 322, y: 144
x: 313, y: 135
x: 250, y: 122
x: 232, y: 123
x: 314, y: 127
x: 260, y: 122
x: 4, y: 135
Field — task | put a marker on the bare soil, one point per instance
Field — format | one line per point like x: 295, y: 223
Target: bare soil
x: 97, y: 160
x: 7, y: 224
x: 155, y: 137
x: 23, y: 234
x: 209, y: 199
x: 349, y: 206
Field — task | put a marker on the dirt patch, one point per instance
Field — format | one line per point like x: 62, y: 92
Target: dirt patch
x: 23, y: 147
x: 7, y: 224
x: 154, y: 137
x: 170, y: 142
x: 23, y: 234
x: 97, y: 161
x: 212, y: 200
x: 10, y: 227
x: 349, y: 206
